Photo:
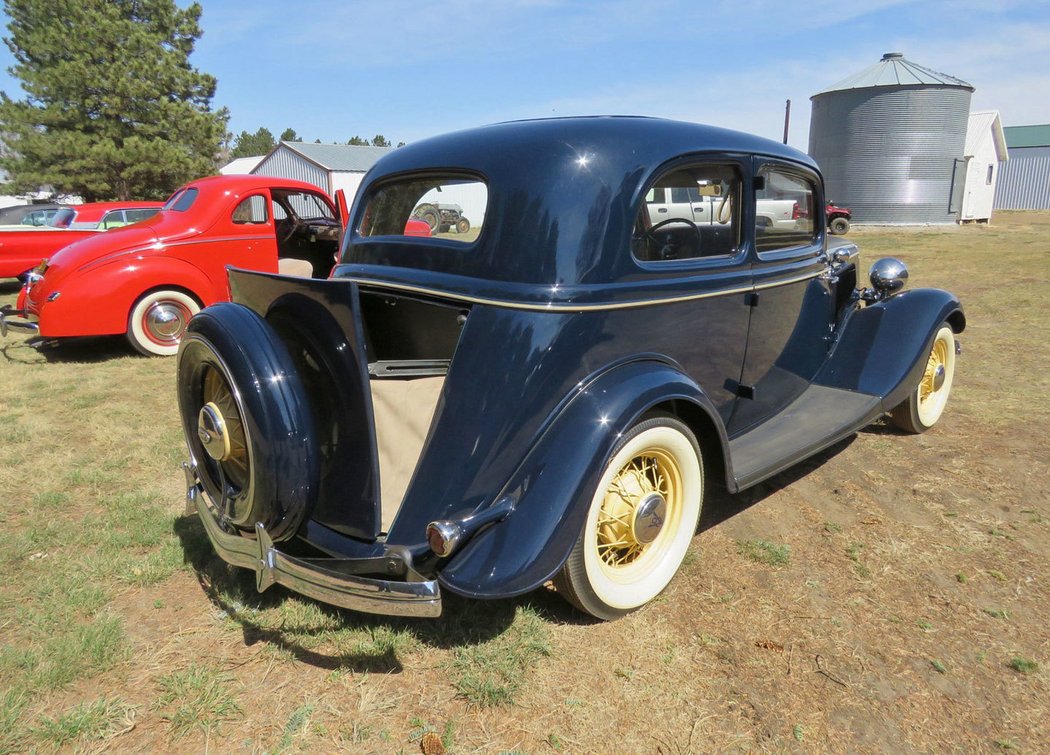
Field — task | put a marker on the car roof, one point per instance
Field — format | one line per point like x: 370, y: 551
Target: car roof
x: 242, y: 183
x: 562, y: 193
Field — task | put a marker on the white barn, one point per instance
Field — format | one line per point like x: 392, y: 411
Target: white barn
x: 328, y: 166
x: 985, y: 150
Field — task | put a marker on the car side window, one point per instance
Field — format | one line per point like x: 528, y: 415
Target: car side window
x: 785, y: 210
x: 134, y: 216
x: 113, y: 219
x: 688, y: 213
x: 250, y: 211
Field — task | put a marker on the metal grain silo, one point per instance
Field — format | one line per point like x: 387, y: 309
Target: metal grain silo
x: 890, y: 142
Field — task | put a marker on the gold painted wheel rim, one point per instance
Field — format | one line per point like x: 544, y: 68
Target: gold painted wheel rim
x: 936, y: 367
x: 216, y: 393
x: 623, y: 537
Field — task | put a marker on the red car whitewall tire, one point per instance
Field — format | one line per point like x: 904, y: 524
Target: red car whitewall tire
x: 158, y: 320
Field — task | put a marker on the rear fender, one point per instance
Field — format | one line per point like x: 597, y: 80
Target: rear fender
x: 882, y: 348
x: 99, y: 301
x: 553, y: 487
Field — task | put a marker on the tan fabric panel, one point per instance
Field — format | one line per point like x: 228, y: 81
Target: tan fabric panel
x: 289, y: 266
x: 404, y: 409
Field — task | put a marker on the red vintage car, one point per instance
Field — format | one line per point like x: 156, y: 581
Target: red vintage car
x: 22, y: 248
x: 148, y: 279
x: 103, y: 216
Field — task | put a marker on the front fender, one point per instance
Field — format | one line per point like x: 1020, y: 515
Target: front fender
x: 98, y: 301
x: 553, y: 487
x: 882, y: 348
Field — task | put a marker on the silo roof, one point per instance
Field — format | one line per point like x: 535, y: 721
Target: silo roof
x: 895, y: 71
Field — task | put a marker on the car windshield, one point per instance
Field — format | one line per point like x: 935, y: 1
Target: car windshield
x: 63, y: 218
x: 306, y: 206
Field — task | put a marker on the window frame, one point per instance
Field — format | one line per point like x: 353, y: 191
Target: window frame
x: 739, y: 254
x: 442, y: 177
x: 816, y: 240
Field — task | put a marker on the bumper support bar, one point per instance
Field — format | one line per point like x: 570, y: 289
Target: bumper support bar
x: 323, y: 579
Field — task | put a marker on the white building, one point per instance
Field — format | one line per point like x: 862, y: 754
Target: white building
x: 241, y: 166
x: 328, y: 166
x: 985, y: 150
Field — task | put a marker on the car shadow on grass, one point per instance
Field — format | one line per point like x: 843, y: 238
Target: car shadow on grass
x: 86, y: 350
x: 720, y: 505
x: 262, y: 617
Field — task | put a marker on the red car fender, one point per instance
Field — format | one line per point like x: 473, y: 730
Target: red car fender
x: 99, y: 302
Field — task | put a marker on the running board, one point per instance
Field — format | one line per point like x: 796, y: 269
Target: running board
x: 818, y: 418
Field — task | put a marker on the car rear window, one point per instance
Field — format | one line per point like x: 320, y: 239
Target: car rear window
x: 445, y: 206
x: 181, y: 201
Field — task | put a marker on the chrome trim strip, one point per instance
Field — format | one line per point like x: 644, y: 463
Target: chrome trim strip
x: 552, y: 307
x: 421, y: 598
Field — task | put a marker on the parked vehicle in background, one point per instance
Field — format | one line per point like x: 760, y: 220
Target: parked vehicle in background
x: 29, y: 214
x: 146, y: 280
x: 103, y: 215
x: 546, y: 400
x: 442, y: 217
x: 22, y: 248
x: 838, y: 218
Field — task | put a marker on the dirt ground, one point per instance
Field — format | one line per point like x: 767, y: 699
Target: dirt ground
x: 908, y: 611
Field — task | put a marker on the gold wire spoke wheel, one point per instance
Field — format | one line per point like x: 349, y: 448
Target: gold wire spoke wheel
x: 921, y: 410
x: 216, y: 393
x: 640, y: 521
x: 641, y: 499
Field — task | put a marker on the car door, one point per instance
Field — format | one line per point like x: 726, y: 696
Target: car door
x: 792, y: 308
x: 243, y: 236
x: 706, y: 331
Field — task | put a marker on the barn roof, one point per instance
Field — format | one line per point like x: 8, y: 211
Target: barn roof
x: 1028, y: 136
x: 337, y: 157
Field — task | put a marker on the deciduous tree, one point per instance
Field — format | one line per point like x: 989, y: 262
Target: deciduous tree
x: 112, y: 107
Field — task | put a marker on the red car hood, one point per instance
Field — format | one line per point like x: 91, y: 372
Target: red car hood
x: 119, y: 241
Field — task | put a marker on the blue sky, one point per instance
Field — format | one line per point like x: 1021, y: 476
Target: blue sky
x: 407, y: 69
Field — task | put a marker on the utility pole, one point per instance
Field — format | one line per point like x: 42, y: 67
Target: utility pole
x: 787, y: 120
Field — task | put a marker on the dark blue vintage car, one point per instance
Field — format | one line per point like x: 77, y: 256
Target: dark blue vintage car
x: 547, y: 395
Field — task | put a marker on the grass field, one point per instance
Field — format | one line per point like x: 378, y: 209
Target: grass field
x: 892, y: 594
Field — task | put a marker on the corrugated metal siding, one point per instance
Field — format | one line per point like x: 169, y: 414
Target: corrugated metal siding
x: 890, y: 153
x: 284, y: 163
x: 1024, y: 184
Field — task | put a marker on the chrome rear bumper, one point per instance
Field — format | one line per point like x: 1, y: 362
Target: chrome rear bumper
x: 317, y: 578
x: 7, y: 311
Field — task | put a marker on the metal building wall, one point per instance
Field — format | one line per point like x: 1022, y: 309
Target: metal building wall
x: 284, y: 163
x: 893, y: 154
x: 1024, y: 183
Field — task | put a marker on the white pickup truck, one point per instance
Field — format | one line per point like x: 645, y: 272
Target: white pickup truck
x: 687, y: 203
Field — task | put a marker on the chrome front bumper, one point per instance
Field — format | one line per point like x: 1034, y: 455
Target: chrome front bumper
x: 7, y: 311
x: 317, y: 578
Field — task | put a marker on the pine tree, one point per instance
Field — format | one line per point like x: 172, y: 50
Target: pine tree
x: 112, y: 109
x: 289, y: 135
x: 252, y: 145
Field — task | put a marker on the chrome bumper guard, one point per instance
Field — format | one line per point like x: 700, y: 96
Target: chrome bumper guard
x: 313, y: 577
x: 7, y: 311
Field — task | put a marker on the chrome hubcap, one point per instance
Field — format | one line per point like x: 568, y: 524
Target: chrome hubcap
x: 211, y: 429
x: 938, y: 377
x: 166, y: 321
x: 649, y: 518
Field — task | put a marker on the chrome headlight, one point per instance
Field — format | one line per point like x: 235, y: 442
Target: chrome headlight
x: 888, y: 276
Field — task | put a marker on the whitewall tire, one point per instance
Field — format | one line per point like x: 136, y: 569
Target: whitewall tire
x: 158, y: 320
